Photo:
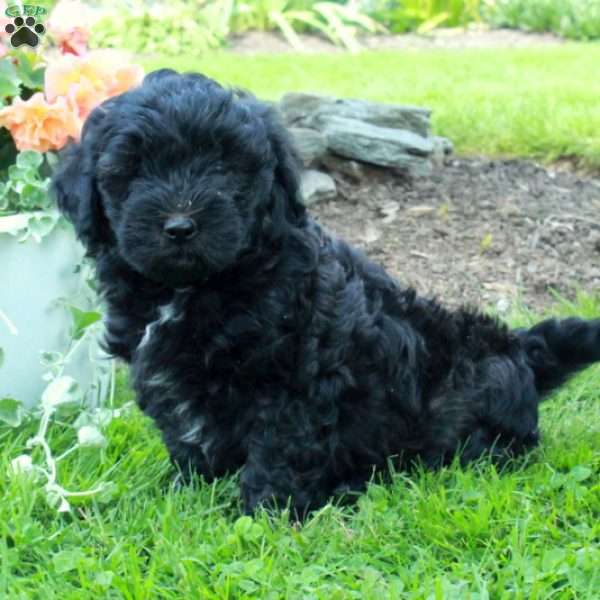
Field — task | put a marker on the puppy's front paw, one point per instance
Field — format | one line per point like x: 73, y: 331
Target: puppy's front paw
x: 178, y: 482
x: 254, y: 498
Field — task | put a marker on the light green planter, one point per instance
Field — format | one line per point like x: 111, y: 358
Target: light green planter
x: 34, y: 278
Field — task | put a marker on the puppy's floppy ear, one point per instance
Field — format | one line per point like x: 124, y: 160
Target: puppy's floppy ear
x: 286, y: 185
x: 74, y: 185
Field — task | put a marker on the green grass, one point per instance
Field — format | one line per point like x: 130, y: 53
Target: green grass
x: 530, y: 533
x: 540, y: 103
x: 575, y: 19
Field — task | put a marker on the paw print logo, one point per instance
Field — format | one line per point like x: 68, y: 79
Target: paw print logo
x: 25, y: 31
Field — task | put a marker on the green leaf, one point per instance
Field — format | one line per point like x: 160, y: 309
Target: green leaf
x: 63, y: 390
x: 11, y: 412
x: 9, y: 79
x: 286, y: 29
x: 104, y: 578
x: 243, y: 525
x: 50, y: 359
x: 29, y: 159
x: 581, y: 473
x: 40, y: 225
x: 553, y: 559
x: 89, y: 436
x: 246, y: 529
x: 82, y: 320
x: 20, y: 175
x: 14, y: 173
x: 433, y: 23
x: 66, y: 560
x: 33, y: 197
x: 30, y: 71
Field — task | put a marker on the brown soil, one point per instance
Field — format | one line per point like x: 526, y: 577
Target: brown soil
x: 485, y: 232
x: 255, y: 42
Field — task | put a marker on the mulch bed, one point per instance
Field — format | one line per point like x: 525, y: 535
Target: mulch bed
x: 480, y: 231
x: 256, y: 42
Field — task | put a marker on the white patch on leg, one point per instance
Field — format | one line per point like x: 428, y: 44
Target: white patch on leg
x: 181, y: 408
x: 194, y: 434
x: 205, y: 447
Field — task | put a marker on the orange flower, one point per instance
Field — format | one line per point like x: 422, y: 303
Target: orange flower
x: 73, y: 41
x: 70, y: 26
x: 119, y: 74
x: 36, y: 124
x: 90, y: 79
x: 83, y: 97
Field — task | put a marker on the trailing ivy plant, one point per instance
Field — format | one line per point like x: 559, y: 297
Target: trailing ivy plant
x: 44, y: 101
x: 27, y: 210
x: 64, y: 403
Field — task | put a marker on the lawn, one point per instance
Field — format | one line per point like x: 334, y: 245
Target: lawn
x: 540, y: 103
x: 531, y: 532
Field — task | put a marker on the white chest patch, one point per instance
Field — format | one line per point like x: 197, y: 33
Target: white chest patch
x: 167, y: 312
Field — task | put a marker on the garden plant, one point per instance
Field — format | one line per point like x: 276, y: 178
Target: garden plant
x: 45, y: 97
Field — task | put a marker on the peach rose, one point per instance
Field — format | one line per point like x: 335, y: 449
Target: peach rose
x: 90, y: 79
x: 36, y: 124
x: 70, y: 26
x: 84, y: 96
x: 73, y: 42
x: 118, y: 73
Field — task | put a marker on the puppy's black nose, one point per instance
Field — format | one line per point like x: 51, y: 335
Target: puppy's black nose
x: 180, y: 229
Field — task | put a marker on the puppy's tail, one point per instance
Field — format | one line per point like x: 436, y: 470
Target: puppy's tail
x: 557, y: 349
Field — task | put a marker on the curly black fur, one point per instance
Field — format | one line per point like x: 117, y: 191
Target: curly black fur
x: 260, y: 342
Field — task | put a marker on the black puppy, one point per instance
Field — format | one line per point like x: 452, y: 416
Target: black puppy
x: 260, y: 342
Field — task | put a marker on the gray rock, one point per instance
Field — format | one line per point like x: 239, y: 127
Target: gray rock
x: 442, y: 145
x: 314, y: 111
x: 294, y: 108
x: 311, y: 144
x: 442, y: 148
x: 316, y: 186
x: 351, y: 168
x: 379, y: 145
x: 417, y: 167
